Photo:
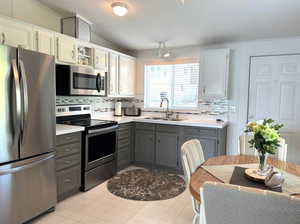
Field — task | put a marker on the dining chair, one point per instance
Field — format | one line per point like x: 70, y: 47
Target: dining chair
x: 245, y: 149
x: 192, y: 157
x: 232, y: 204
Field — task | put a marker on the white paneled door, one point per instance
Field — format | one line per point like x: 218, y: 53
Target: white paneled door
x: 275, y: 93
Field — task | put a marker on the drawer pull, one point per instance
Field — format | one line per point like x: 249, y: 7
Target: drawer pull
x: 68, y: 150
x: 67, y: 180
x: 68, y: 162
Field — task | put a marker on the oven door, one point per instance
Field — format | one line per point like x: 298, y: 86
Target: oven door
x: 100, y: 146
x: 87, y: 81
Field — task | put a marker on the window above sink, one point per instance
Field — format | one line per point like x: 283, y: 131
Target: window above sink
x: 180, y: 82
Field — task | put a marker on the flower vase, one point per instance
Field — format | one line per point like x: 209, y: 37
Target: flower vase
x: 262, y: 163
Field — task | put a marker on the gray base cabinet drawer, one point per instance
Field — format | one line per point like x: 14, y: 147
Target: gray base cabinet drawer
x: 145, y: 127
x: 68, y: 164
x: 68, y: 149
x: 208, y: 132
x: 68, y: 138
x: 68, y: 182
x: 68, y: 161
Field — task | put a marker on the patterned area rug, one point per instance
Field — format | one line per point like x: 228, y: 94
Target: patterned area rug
x: 146, y: 185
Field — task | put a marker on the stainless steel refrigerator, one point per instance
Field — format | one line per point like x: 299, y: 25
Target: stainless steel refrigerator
x: 27, y: 134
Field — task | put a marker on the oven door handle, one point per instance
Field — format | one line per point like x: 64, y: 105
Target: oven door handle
x: 102, y: 129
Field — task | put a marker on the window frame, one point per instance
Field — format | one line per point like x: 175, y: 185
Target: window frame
x: 179, y: 109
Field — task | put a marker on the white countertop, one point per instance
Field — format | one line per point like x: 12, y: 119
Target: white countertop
x: 209, y: 123
x: 62, y: 129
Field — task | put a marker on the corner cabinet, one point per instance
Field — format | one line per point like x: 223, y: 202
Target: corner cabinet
x: 66, y: 49
x: 121, y: 75
x: 214, y: 72
x: 15, y: 34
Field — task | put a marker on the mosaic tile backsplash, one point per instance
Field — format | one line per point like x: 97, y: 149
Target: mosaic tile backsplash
x: 106, y: 104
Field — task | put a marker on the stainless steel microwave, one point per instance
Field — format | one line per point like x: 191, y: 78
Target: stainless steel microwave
x: 80, y: 81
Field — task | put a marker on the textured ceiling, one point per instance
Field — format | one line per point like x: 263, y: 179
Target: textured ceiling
x: 196, y: 22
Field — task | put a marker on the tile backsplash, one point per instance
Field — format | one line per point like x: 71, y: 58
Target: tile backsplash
x: 99, y: 104
x: 106, y: 104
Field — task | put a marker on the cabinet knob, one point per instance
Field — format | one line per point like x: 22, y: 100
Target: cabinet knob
x: 68, y: 150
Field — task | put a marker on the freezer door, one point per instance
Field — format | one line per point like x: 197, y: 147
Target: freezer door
x: 27, y: 189
x: 10, y: 105
x: 37, y: 73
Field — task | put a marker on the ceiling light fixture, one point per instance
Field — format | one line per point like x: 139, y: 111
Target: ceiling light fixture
x: 119, y: 8
x: 162, y: 51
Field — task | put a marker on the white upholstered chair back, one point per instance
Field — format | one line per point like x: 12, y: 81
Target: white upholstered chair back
x: 246, y: 150
x: 192, y: 157
x: 231, y: 204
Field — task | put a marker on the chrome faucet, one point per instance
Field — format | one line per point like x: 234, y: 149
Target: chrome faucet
x: 168, y: 112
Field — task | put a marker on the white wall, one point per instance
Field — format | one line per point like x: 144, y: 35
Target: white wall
x: 35, y: 12
x: 239, y: 74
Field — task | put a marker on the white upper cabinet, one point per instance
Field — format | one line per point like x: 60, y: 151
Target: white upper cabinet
x: 44, y: 41
x: 66, y: 49
x: 127, y: 76
x: 214, y: 70
x: 100, y: 59
x: 15, y: 34
x: 113, y: 74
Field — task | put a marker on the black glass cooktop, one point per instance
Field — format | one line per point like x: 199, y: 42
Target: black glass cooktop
x: 84, y: 121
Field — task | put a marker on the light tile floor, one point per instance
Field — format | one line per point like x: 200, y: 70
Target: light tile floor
x: 99, y: 206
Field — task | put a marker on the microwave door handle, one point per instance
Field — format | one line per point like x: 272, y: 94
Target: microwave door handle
x: 25, y: 97
x: 16, y: 101
x: 98, y: 82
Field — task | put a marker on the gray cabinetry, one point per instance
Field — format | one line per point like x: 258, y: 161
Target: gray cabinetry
x: 68, y: 164
x: 166, y: 149
x: 144, y: 143
x: 160, y: 145
x: 212, y: 140
x: 144, y: 146
x: 125, y: 145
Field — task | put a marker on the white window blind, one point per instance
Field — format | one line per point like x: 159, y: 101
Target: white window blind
x: 179, y: 81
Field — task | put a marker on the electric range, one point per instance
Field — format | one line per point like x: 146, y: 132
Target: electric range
x: 99, y: 143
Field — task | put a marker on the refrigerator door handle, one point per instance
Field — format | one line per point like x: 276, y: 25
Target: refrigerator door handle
x: 10, y: 170
x: 25, y: 96
x: 16, y: 102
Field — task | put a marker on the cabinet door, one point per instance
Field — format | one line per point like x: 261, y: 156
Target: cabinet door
x: 127, y: 76
x: 15, y: 34
x: 214, y: 69
x: 209, y: 146
x: 113, y: 74
x: 66, y: 49
x: 100, y: 59
x: 166, y: 149
x: 144, y: 147
x: 44, y: 42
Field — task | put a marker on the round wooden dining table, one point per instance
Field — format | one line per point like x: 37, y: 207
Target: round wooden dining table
x: 200, y: 176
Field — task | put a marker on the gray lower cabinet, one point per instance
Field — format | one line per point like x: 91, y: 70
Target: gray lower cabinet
x: 124, y: 145
x: 68, y: 164
x: 160, y: 145
x: 209, y: 146
x: 166, y: 149
x: 144, y: 146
